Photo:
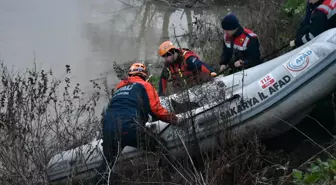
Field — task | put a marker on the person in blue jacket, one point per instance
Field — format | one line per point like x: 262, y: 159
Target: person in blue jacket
x: 319, y: 17
x: 127, y: 113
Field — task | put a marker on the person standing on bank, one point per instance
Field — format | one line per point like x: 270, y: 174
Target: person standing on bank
x: 320, y: 16
x: 240, y: 46
x: 127, y: 113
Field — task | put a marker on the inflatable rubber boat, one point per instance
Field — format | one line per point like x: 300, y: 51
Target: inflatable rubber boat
x: 267, y: 99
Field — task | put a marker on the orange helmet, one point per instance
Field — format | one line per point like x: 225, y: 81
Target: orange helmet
x: 138, y: 69
x: 165, y: 47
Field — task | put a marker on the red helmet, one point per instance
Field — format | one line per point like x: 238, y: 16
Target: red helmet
x: 138, y: 69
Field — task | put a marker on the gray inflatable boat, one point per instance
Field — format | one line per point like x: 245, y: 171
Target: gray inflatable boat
x: 266, y: 99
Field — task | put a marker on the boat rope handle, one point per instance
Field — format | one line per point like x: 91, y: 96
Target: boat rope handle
x: 235, y: 96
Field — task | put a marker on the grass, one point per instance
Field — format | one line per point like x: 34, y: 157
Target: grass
x: 155, y: 79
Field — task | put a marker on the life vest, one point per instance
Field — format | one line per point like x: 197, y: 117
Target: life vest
x: 180, y: 70
x: 239, y: 43
x: 328, y: 7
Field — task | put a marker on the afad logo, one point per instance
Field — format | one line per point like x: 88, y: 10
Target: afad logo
x: 300, y: 63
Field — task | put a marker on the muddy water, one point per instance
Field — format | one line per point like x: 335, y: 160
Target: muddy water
x: 90, y: 34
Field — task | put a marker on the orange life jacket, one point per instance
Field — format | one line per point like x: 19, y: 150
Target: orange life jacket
x: 180, y: 70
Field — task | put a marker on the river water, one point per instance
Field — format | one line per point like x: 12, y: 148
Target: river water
x: 89, y: 35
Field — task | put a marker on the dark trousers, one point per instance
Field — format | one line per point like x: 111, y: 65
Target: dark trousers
x: 301, y: 31
x: 126, y: 134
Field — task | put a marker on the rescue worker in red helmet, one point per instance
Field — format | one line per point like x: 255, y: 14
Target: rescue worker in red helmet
x: 181, y: 64
x: 127, y: 113
x: 240, y: 46
x: 320, y: 16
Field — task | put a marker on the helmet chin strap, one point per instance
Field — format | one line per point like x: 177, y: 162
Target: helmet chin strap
x: 150, y: 76
x: 142, y: 77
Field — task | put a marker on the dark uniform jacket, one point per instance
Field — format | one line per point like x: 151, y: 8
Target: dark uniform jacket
x: 321, y: 16
x: 243, y: 45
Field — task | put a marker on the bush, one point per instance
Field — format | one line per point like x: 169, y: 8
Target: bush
x: 295, y: 7
x: 319, y: 172
x: 41, y: 116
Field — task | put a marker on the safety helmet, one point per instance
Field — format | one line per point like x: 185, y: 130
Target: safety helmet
x: 138, y: 69
x: 165, y: 47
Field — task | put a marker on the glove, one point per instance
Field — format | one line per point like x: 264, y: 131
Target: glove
x: 213, y: 74
x: 150, y: 119
x: 292, y: 43
x: 182, y: 122
x: 179, y: 120
x: 239, y: 63
x: 173, y: 119
x: 223, y: 67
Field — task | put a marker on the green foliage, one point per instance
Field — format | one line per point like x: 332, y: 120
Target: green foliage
x: 319, y: 172
x: 294, y: 7
x: 154, y: 79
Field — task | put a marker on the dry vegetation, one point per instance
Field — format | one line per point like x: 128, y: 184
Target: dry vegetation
x: 41, y: 116
x: 267, y: 20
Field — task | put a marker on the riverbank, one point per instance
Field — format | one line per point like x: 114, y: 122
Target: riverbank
x: 275, y: 24
x: 42, y: 115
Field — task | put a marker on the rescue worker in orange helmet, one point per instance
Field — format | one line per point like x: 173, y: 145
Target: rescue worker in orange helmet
x: 320, y: 16
x: 180, y: 63
x: 240, y: 46
x: 127, y: 113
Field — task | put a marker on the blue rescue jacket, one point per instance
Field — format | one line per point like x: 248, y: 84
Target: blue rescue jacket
x: 133, y: 100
